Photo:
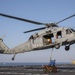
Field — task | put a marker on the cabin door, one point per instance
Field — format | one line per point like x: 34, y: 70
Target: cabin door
x: 37, y: 42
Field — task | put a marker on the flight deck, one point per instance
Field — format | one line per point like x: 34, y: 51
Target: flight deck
x: 65, y: 69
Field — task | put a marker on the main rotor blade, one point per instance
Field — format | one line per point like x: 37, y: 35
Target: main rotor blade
x: 66, y: 18
x: 26, y: 20
x: 35, y: 30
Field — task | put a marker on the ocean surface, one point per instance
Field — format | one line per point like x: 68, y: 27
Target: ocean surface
x: 29, y: 63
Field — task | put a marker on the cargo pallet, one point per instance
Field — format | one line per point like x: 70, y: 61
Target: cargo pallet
x: 50, y: 69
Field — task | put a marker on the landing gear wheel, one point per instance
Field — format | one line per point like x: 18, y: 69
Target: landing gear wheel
x: 67, y: 48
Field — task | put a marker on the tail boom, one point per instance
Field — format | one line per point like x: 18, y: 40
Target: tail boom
x: 3, y: 47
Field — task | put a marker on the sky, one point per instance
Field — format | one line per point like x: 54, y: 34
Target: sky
x: 38, y: 10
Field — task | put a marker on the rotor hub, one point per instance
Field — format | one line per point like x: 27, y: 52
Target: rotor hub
x: 51, y: 25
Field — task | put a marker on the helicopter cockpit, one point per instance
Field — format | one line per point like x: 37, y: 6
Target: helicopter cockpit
x: 72, y: 30
x: 69, y: 31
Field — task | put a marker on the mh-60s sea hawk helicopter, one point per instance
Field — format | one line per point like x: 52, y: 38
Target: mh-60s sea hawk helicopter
x: 51, y: 36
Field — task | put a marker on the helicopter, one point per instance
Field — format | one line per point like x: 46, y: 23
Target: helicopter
x: 50, y: 36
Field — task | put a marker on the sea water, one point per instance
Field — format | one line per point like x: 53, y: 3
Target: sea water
x: 29, y: 63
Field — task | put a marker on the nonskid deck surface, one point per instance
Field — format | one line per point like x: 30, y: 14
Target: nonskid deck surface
x: 36, y: 70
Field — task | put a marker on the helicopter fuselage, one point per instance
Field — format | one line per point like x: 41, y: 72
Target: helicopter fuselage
x: 48, y: 38
x: 52, y: 37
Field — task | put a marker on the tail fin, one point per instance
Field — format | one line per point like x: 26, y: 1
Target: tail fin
x: 3, y: 48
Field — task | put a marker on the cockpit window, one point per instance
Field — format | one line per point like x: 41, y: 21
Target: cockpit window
x: 68, y: 31
x: 73, y: 30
